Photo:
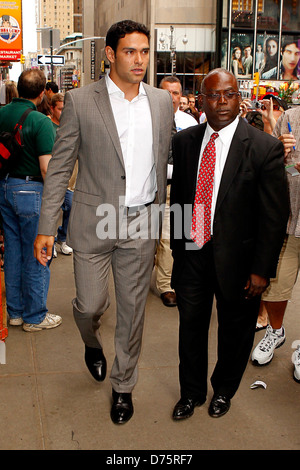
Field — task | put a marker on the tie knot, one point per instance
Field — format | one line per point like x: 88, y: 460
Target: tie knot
x: 214, y: 136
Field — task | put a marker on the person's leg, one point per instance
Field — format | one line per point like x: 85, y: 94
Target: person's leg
x: 262, y: 318
x: 132, y: 265
x: 194, y: 291
x: 24, y: 199
x: 12, y: 256
x: 276, y: 298
x: 236, y: 330
x: 164, y: 260
x: 66, y: 208
x: 91, y: 273
x: 276, y: 311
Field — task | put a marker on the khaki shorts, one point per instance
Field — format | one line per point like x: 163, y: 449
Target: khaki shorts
x: 281, y: 287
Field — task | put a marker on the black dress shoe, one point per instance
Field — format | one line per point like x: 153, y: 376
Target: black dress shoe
x: 96, y: 362
x: 169, y: 299
x: 219, y: 406
x: 122, y: 407
x: 185, y: 408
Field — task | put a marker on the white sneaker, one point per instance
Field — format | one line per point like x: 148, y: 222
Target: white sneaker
x: 296, y: 361
x: 50, y: 321
x: 264, y: 351
x: 16, y: 321
x: 64, y: 248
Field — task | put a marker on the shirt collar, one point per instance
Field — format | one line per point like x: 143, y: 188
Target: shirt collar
x: 225, y: 134
x: 113, y: 88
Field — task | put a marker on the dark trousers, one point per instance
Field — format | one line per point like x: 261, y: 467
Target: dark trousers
x: 195, y: 286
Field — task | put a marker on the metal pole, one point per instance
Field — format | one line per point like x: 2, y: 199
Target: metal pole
x: 51, y: 53
x: 279, y: 41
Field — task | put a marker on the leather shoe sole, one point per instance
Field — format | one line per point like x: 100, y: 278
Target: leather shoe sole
x: 169, y: 299
x: 96, y: 363
x: 122, y: 408
x: 219, y: 406
x: 184, y: 408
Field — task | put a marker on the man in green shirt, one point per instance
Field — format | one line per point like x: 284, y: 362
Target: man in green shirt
x: 26, y: 281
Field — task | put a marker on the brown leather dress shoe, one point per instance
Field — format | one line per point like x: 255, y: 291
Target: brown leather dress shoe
x: 169, y: 299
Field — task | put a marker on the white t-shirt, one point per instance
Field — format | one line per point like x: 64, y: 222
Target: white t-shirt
x: 184, y: 120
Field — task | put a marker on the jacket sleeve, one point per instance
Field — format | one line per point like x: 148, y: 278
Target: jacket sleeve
x: 273, y: 210
x: 60, y: 167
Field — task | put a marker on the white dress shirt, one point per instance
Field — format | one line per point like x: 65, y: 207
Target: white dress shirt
x: 134, y: 125
x: 223, y: 143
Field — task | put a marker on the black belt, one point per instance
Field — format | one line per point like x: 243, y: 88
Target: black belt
x: 169, y: 181
x: 132, y: 210
x: 37, y: 179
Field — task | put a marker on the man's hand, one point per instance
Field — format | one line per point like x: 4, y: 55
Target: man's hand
x: 255, y: 286
x: 288, y: 141
x: 43, y: 246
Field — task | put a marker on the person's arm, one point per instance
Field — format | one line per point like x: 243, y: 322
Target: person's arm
x: 273, y: 208
x: 43, y: 246
x: 267, y: 112
x: 59, y: 171
x: 288, y: 141
x: 43, y: 162
x: 256, y: 285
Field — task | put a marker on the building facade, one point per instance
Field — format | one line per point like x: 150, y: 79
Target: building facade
x: 262, y: 37
x: 182, y: 35
x: 191, y: 37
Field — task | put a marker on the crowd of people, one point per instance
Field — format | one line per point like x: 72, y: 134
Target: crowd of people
x: 232, y: 180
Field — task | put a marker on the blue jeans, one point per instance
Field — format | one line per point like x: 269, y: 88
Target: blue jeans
x: 26, y: 280
x: 66, y: 208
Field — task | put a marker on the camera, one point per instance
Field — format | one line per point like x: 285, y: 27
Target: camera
x: 257, y: 105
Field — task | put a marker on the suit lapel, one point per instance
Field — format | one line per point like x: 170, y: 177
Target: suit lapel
x: 233, y: 161
x: 155, y: 116
x: 193, y: 155
x: 103, y: 104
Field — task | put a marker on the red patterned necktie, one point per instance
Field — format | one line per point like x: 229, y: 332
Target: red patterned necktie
x: 201, y: 221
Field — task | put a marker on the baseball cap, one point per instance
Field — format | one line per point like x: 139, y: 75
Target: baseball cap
x: 280, y: 101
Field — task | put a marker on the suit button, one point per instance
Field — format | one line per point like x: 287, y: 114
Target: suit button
x: 123, y: 177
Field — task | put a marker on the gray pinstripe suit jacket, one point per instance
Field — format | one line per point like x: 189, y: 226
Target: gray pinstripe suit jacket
x: 88, y: 132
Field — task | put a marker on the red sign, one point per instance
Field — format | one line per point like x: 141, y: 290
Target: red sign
x: 11, y: 30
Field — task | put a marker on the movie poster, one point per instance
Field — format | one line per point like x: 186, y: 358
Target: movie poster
x: 241, y: 55
x: 266, y: 57
x: 10, y: 30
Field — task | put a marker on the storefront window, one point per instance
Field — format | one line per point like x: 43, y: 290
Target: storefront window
x: 291, y: 15
x: 191, y: 68
x: 187, y: 52
x: 242, y: 14
x: 268, y: 15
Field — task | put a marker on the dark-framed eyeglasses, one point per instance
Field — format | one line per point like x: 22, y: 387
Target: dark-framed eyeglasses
x: 228, y: 95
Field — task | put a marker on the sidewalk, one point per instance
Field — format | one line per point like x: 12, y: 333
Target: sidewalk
x: 51, y: 402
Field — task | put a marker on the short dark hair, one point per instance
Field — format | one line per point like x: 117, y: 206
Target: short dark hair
x: 119, y: 30
x: 170, y: 79
x: 31, y: 83
x: 52, y: 86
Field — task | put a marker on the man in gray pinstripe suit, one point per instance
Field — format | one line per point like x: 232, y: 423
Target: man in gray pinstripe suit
x: 120, y: 131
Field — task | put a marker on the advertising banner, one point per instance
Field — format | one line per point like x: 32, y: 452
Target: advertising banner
x: 10, y: 30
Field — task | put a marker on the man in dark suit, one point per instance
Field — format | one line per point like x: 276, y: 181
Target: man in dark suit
x: 245, y: 218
